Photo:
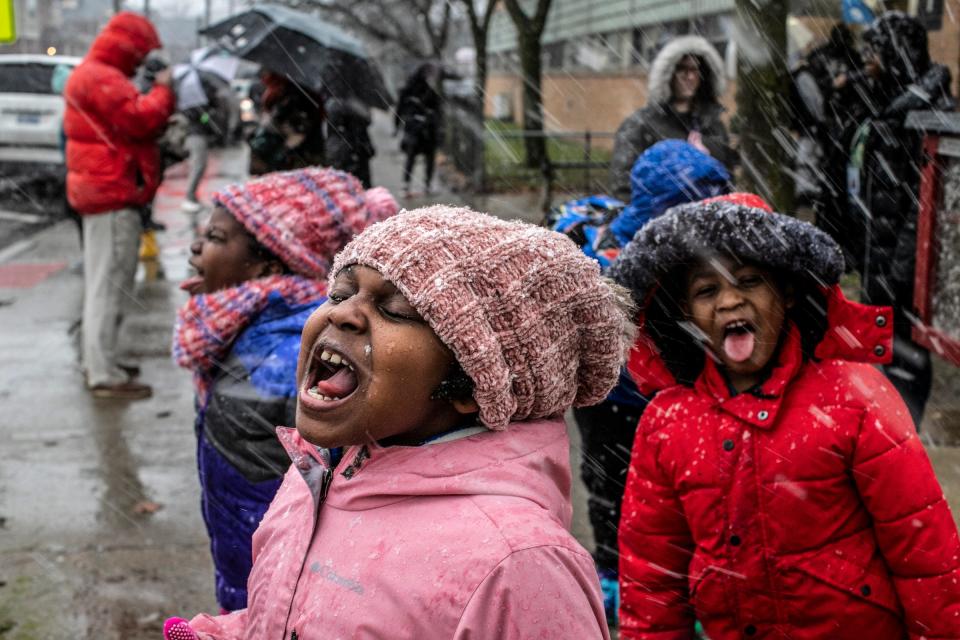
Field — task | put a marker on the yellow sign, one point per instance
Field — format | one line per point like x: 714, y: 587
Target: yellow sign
x: 8, y: 23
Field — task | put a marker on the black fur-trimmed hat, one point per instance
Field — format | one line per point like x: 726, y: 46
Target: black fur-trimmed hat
x: 724, y: 226
x: 740, y: 225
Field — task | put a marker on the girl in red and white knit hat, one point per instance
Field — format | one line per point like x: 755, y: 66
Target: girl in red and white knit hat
x: 443, y: 361
x: 261, y: 267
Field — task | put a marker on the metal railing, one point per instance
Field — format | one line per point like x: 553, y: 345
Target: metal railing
x: 549, y: 167
x: 467, y: 138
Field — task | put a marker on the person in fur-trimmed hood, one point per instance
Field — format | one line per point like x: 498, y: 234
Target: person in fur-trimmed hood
x: 685, y: 83
x: 777, y: 487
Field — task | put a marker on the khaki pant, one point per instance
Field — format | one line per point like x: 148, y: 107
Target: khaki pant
x: 197, y: 145
x: 110, y: 245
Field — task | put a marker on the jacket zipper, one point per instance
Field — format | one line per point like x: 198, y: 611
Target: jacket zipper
x: 354, y: 466
x: 324, y: 488
x: 348, y: 473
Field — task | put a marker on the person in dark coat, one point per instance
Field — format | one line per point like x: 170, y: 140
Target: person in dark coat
x: 349, y: 147
x: 685, y: 83
x: 822, y: 117
x: 887, y: 159
x: 290, y: 135
x: 420, y: 115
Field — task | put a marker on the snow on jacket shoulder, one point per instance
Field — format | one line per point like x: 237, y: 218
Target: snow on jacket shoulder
x: 807, y: 509
x: 460, y: 539
x: 113, y: 160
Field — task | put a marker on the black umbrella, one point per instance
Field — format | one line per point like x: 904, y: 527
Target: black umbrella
x: 311, y: 52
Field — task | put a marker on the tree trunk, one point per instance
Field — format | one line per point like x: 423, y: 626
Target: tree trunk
x: 529, y: 32
x: 530, y: 67
x: 480, y: 86
x: 762, y: 110
x: 479, y: 28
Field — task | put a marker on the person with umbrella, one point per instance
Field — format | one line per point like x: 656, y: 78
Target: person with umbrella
x: 208, y: 105
x: 290, y: 135
x: 306, y: 62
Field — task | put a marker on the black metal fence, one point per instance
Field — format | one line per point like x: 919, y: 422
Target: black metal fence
x: 492, y: 155
x: 465, y: 139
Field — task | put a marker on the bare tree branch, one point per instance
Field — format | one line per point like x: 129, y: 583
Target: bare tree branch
x: 480, y: 27
x: 532, y: 24
x: 436, y: 33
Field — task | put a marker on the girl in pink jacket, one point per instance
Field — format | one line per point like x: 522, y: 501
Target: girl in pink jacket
x: 442, y: 363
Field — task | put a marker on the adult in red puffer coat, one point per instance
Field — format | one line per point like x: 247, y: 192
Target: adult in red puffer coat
x: 113, y: 169
x: 802, y: 505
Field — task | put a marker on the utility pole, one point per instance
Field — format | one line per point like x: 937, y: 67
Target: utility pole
x: 206, y: 13
x: 44, y: 23
x: 146, y: 8
x: 117, y: 6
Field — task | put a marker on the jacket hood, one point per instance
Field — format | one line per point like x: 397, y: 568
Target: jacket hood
x: 669, y: 173
x: 724, y: 225
x: 124, y: 42
x: 661, y: 71
x: 901, y: 42
x: 741, y: 225
x: 495, y: 463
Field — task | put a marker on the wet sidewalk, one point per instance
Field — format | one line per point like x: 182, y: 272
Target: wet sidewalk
x: 100, y: 529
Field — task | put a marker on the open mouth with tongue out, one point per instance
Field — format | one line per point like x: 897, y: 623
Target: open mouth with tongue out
x: 739, y: 340
x: 193, y: 285
x: 330, y: 380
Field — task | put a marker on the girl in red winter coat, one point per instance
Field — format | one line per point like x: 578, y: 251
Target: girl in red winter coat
x: 777, y: 488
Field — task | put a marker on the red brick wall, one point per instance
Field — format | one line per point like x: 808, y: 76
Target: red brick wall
x: 578, y: 102
x: 945, y: 44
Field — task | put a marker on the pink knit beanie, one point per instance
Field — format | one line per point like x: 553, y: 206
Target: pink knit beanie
x: 526, y: 314
x: 304, y: 217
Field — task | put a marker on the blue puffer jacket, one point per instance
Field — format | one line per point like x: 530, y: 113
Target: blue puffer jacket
x: 668, y: 173
x: 255, y: 389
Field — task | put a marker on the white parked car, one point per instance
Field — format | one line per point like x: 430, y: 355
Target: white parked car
x: 31, y: 110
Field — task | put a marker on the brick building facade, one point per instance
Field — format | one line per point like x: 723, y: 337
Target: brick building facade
x: 593, y: 79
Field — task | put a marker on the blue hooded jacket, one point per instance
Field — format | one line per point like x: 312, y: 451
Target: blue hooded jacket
x: 669, y: 173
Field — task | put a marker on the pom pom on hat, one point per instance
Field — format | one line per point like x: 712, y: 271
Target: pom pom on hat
x: 527, y: 315
x: 305, y: 217
x: 743, y: 198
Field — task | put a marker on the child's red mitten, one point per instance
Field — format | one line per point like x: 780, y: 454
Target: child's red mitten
x: 178, y: 629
